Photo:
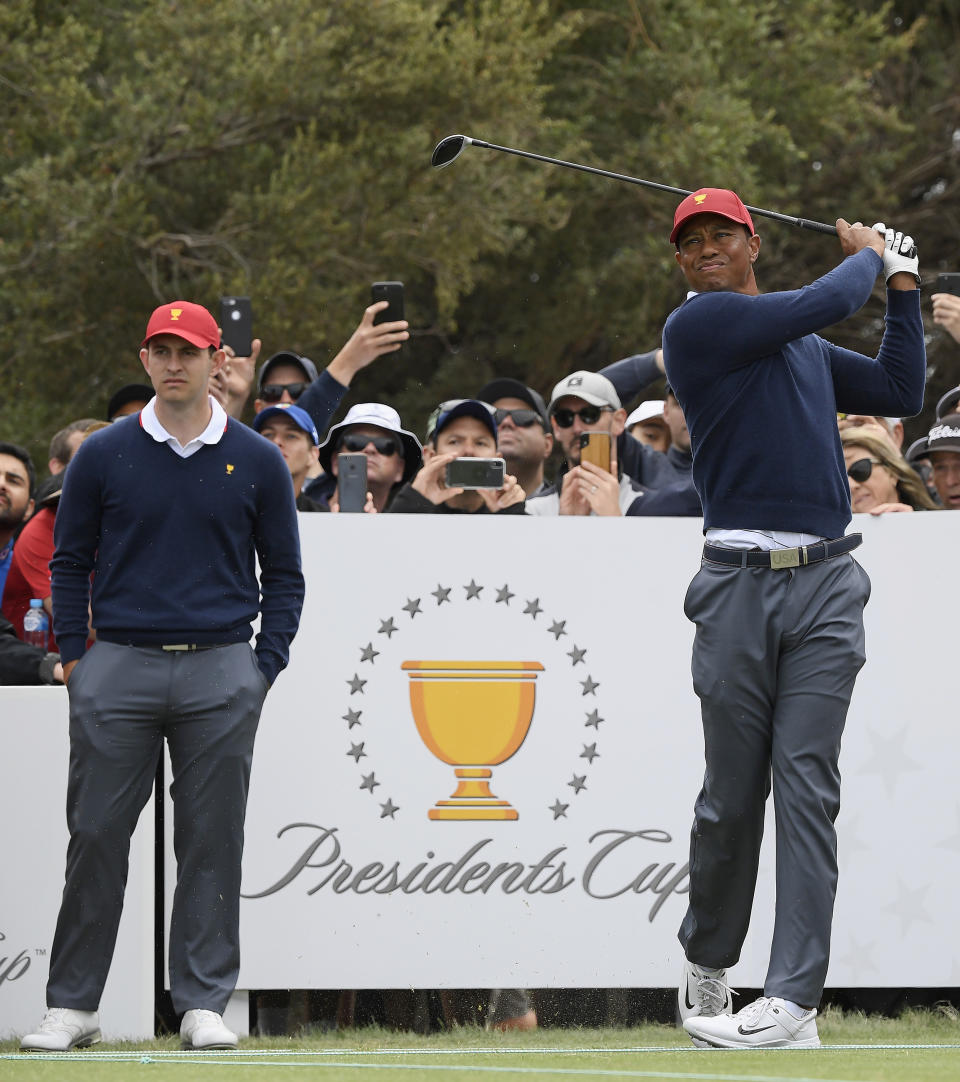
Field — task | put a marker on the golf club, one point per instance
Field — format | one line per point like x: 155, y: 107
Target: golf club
x: 450, y: 148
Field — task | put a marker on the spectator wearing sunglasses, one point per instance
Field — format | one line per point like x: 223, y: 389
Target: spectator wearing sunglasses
x: 943, y: 450
x: 524, y: 438
x: 639, y: 462
x: 458, y: 428
x: 880, y: 478
x: 588, y: 402
x: 294, y: 433
x: 393, y: 453
x: 289, y: 377
x: 283, y: 378
x: 368, y: 342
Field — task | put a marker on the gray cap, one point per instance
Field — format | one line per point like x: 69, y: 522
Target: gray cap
x: 590, y: 386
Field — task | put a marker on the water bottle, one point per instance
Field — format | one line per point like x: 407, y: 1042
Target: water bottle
x: 35, y: 624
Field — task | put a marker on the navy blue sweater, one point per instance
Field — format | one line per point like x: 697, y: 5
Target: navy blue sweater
x: 172, y: 543
x: 760, y: 393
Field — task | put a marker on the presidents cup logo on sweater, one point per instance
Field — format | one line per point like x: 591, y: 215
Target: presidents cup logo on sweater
x: 473, y: 713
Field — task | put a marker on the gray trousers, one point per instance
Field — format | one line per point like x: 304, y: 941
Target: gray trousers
x: 775, y: 657
x: 124, y: 701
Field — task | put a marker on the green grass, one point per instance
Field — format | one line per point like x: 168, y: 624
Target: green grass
x: 547, y: 1055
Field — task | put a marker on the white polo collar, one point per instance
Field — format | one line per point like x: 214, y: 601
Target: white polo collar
x: 213, y: 433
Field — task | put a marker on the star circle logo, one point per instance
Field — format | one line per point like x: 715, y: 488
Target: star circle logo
x: 495, y: 686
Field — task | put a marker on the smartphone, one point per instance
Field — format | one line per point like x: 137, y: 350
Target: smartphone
x: 351, y: 480
x: 475, y: 473
x: 236, y: 324
x: 391, y: 292
x: 948, y: 283
x: 595, y: 448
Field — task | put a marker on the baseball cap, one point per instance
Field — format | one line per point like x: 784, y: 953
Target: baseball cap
x: 299, y: 416
x: 504, y: 387
x: 460, y: 407
x: 949, y: 403
x: 916, y: 451
x: 945, y: 434
x: 653, y: 407
x: 720, y: 201
x: 186, y: 320
x: 286, y: 356
x: 386, y: 417
x: 590, y: 386
x: 129, y: 392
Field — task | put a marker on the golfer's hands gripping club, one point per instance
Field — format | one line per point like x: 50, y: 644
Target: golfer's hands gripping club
x: 899, y: 255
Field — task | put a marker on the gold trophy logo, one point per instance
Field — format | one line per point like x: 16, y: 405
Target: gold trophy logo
x: 472, y: 715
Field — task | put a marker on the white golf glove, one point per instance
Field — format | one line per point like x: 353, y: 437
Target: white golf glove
x: 895, y: 257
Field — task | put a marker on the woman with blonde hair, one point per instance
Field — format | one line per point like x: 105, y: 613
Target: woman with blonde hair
x: 880, y: 478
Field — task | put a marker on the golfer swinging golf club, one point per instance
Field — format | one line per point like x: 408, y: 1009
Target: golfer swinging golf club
x: 778, y: 600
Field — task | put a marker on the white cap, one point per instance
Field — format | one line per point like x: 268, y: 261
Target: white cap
x: 653, y: 407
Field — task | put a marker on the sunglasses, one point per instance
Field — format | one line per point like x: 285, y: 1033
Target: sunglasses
x: 521, y: 418
x: 356, y: 441
x: 860, y: 470
x: 273, y: 392
x: 589, y: 415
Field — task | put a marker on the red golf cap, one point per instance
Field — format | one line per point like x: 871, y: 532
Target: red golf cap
x: 186, y: 320
x: 711, y: 201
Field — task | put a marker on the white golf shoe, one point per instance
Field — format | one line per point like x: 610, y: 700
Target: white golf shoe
x: 765, y: 1023
x: 703, y: 993
x: 62, y: 1029
x: 205, y: 1029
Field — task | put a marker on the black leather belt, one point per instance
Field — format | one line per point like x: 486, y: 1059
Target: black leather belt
x: 779, y: 559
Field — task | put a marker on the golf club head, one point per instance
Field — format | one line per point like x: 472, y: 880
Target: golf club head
x: 448, y: 150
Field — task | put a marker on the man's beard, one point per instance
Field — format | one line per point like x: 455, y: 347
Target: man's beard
x: 10, y: 518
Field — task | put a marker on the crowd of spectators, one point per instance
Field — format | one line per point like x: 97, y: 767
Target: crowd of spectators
x: 540, y: 440
x: 292, y: 403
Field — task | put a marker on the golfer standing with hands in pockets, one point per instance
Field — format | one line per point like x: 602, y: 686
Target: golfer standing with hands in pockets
x: 778, y: 601
x: 168, y: 509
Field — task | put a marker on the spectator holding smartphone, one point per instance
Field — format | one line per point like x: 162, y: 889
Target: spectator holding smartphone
x: 458, y: 428
x: 946, y: 305
x: 393, y: 453
x: 584, y: 404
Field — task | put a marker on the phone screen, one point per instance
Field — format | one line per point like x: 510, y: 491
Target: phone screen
x: 595, y: 448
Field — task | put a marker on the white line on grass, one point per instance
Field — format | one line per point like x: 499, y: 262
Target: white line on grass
x: 213, y: 1060
x: 233, y: 1060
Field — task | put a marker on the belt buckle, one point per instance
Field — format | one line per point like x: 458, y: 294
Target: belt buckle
x: 784, y: 558
x: 178, y: 646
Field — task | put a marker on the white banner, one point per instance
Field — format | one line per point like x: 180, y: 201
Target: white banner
x: 34, y: 738
x: 480, y: 768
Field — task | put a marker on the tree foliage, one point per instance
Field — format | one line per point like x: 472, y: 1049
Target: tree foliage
x: 280, y: 148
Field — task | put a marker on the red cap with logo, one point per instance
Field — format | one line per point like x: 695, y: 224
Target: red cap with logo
x: 186, y: 320
x: 711, y: 201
